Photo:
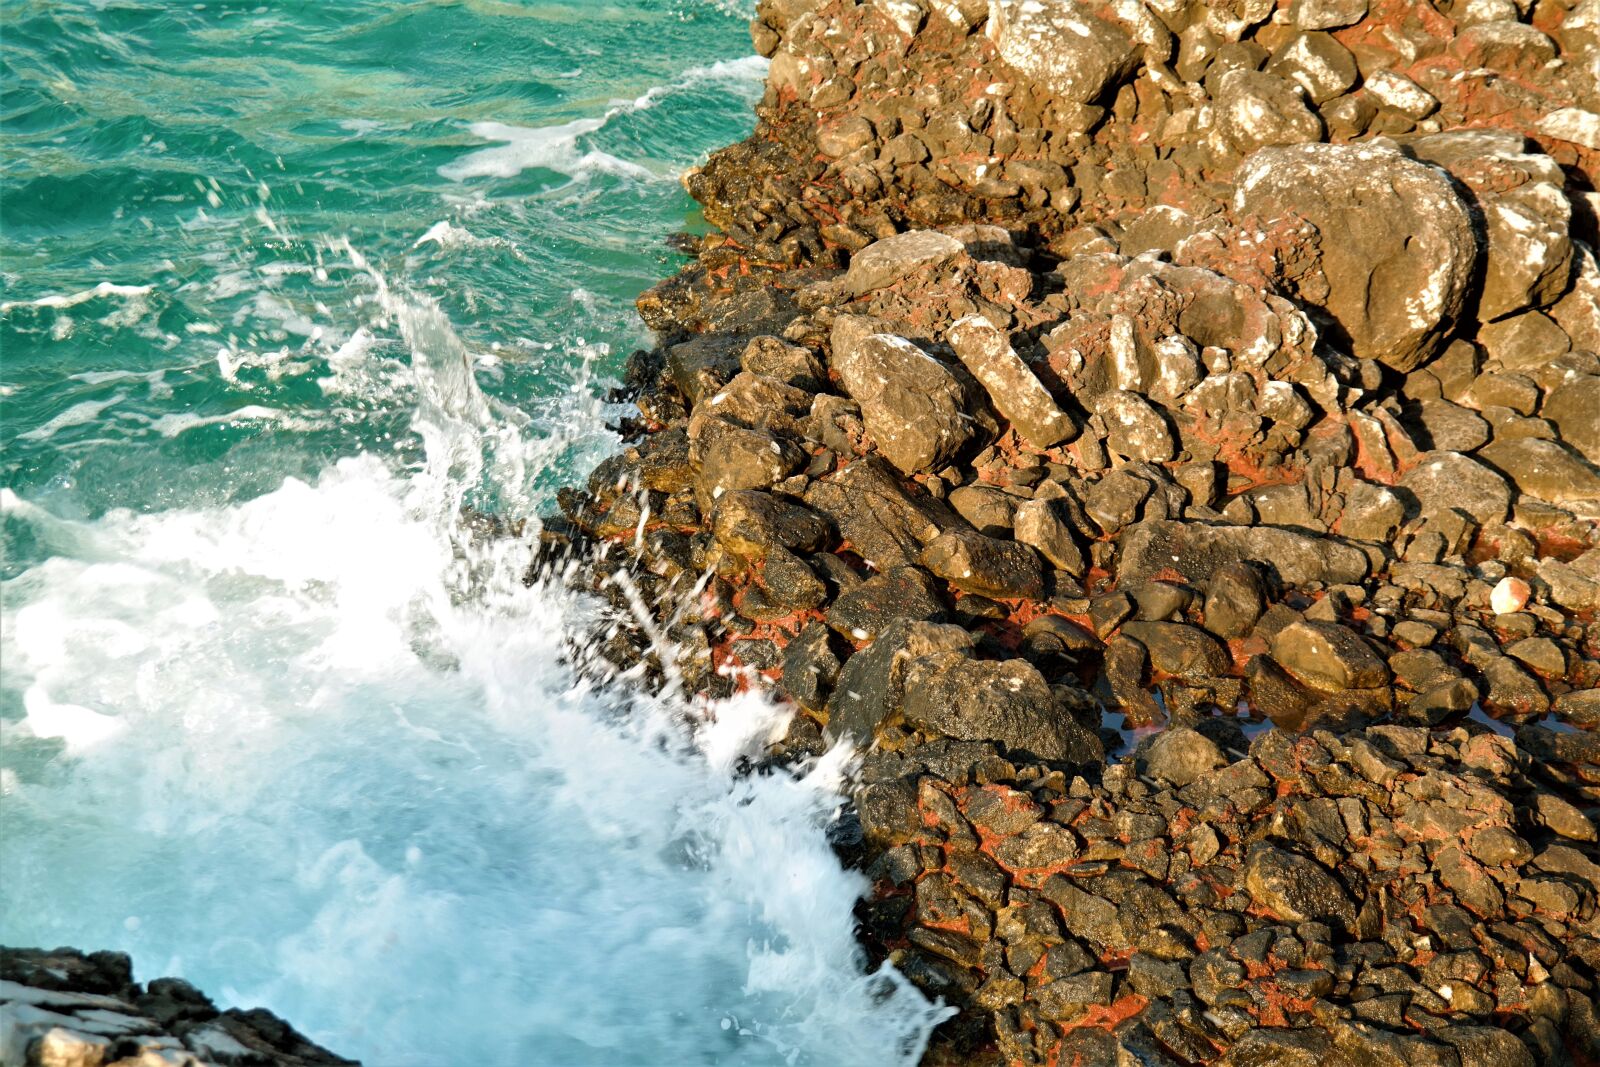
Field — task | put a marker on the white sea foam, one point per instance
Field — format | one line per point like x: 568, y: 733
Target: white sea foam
x: 79, y: 414
x: 67, y: 300
x: 558, y: 148
x: 323, y: 751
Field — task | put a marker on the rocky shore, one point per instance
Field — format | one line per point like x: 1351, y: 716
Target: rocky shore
x: 63, y: 1008
x: 1163, y: 436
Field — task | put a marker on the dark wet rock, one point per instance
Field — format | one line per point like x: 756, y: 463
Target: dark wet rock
x: 977, y: 700
x: 1328, y: 656
x: 789, y: 582
x: 863, y: 613
x: 1236, y: 595
x: 990, y: 511
x: 1012, y: 386
x: 874, y: 514
x: 727, y: 457
x: 1180, y: 650
x: 1395, y: 246
x: 702, y: 366
x: 810, y: 667
x: 913, y: 407
x: 749, y: 524
x: 983, y: 565
x: 1451, y: 480
x: 1195, y: 550
x: 869, y: 686
x: 1294, y: 888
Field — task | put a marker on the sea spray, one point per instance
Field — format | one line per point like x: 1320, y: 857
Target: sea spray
x: 323, y: 750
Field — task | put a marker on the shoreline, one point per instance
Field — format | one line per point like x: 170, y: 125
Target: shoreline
x: 1049, y: 363
x: 1227, y: 370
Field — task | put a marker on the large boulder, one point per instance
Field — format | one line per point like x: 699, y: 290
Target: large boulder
x: 874, y: 513
x: 1255, y: 109
x: 913, y: 407
x: 885, y: 262
x: 870, y: 685
x: 1526, y: 216
x: 1544, y: 469
x: 981, y: 700
x: 1442, y: 480
x: 986, y: 566
x: 1395, y: 247
x: 1062, y: 46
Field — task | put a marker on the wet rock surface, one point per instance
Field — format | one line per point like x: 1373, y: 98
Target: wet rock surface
x: 1161, y: 437
x: 62, y: 1008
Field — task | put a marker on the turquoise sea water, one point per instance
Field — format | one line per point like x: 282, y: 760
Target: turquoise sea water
x: 282, y: 287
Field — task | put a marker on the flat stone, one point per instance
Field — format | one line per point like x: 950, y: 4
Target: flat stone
x: 1195, y: 550
x: 1017, y: 393
x: 1180, y: 755
x: 1451, y: 480
x: 885, y: 262
x: 1328, y: 656
x: 1544, y: 469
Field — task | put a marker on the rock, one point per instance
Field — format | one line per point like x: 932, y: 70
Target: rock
x: 1574, y: 408
x: 1450, y: 480
x: 1526, y: 217
x: 1327, y: 14
x: 1135, y: 429
x: 1276, y: 1047
x: 1509, y: 595
x: 701, y: 366
x: 885, y: 262
x: 749, y: 524
x: 1296, y: 889
x: 863, y: 613
x: 791, y: 364
x: 913, y: 407
x: 990, y: 511
x: 1180, y: 650
x: 1113, y: 501
x: 1255, y: 109
x: 1398, y: 93
x: 1524, y: 342
x: 1016, y: 392
x: 1194, y: 550
x: 727, y: 457
x: 986, y: 566
x: 1327, y: 656
x: 872, y: 511
x: 1180, y: 755
x: 869, y: 686
x: 1320, y: 65
x: 1543, y: 469
x: 1062, y: 46
x: 789, y: 582
x: 1042, y: 524
x: 982, y: 700
x: 1371, y: 512
x: 1486, y: 1046
x: 1560, y: 817
x: 1236, y: 595
x: 1396, y: 248
x: 1439, y: 425
x: 1573, y: 124
x: 810, y: 667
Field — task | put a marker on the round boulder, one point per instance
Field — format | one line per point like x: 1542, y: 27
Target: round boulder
x: 1395, y: 246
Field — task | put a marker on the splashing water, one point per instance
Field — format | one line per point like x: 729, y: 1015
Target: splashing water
x: 272, y: 717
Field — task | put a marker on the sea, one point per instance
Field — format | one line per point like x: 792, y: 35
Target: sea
x: 292, y: 295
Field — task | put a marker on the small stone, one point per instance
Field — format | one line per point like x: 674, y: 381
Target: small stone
x: 1509, y: 595
x: 1180, y: 755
